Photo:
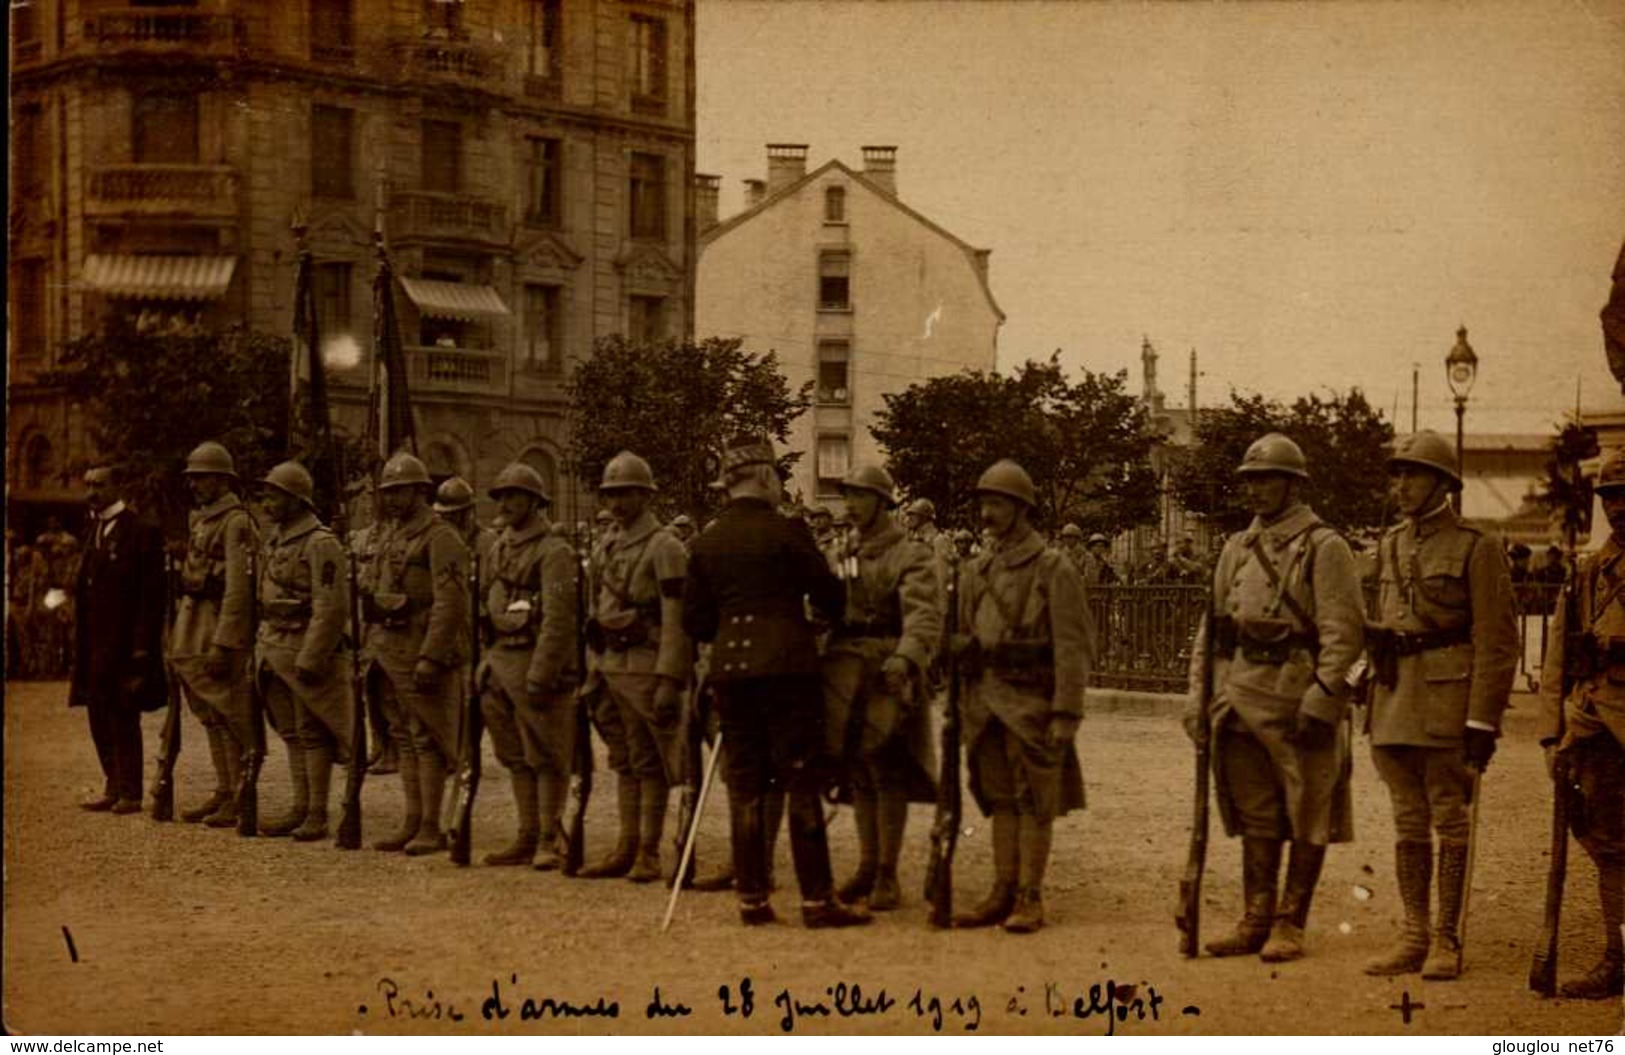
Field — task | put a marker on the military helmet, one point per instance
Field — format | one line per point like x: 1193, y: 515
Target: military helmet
x: 292, y: 478
x: 627, y: 472
x: 922, y: 507
x: 1098, y: 537
x: 1005, y: 477
x: 210, y: 459
x: 1072, y: 531
x: 1429, y: 450
x: 682, y: 520
x: 404, y: 470
x: 520, y: 477
x: 871, y: 478
x: 453, y: 495
x: 1611, y: 477
x: 603, y: 516
x: 1274, y: 453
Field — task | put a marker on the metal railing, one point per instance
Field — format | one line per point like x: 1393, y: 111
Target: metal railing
x: 1143, y: 635
x: 162, y: 188
x: 419, y: 213
x: 457, y: 61
x: 162, y: 27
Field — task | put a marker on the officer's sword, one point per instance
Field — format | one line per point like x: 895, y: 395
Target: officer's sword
x: 693, y: 833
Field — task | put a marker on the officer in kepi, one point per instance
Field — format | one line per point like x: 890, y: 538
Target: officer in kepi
x: 302, y: 660
x: 1027, y: 646
x: 1585, y: 727
x: 1444, y: 653
x: 1287, y: 627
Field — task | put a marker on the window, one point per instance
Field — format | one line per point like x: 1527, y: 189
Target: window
x: 544, y: 326
x: 28, y: 311
x: 834, y: 459
x: 165, y: 129
x: 832, y: 380
x: 442, y: 156
x: 645, y: 319
x: 31, y: 159
x: 332, y: 30
x: 39, y: 462
x: 542, y: 42
x: 333, y: 314
x: 332, y: 152
x: 835, y: 205
x: 834, y: 281
x: 543, y: 169
x: 647, y: 196
x: 443, y: 18
x: 646, y: 64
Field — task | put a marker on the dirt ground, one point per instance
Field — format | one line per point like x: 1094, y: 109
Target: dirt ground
x: 180, y: 929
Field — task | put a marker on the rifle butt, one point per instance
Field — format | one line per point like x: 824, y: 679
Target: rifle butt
x: 163, y: 800
x: 1543, y: 967
x: 349, y: 833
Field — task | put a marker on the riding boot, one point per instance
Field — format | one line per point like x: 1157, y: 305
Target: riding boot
x: 406, y: 764
x: 1001, y: 900
x: 1302, y: 873
x: 1444, y: 957
x: 893, y: 821
x: 619, y: 861
x: 552, y: 787
x: 523, y: 848
x: 432, y: 782
x: 1034, y: 842
x: 225, y: 816
x: 319, y: 775
x: 1260, y: 871
x: 1413, y: 865
x: 653, y: 793
x: 223, y: 788
x: 866, y: 812
x: 285, y: 824
x: 1607, y: 979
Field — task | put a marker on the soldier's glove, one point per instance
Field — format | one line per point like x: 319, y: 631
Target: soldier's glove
x: 306, y: 675
x: 899, y: 675
x: 1478, y: 747
x: 426, y: 675
x: 1061, y: 730
x: 217, y: 661
x: 668, y: 701
x: 1311, y: 733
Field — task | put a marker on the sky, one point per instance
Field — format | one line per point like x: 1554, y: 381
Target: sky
x: 1312, y: 196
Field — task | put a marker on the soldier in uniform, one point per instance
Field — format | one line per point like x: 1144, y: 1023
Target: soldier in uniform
x: 1288, y: 625
x: 527, y: 678
x: 1028, y: 641
x: 1101, y: 572
x: 874, y: 670
x: 302, y: 659
x: 454, y: 503
x: 645, y: 662
x: 211, y: 643
x: 682, y: 525
x: 1588, y: 725
x: 751, y: 580
x: 1444, y: 654
x: 822, y: 523
x: 1071, y: 543
x: 921, y: 520
x: 415, y: 603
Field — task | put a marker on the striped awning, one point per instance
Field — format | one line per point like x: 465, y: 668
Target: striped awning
x: 454, y: 300
x: 160, y: 277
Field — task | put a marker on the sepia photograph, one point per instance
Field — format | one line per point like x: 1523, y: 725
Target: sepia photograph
x: 587, y: 518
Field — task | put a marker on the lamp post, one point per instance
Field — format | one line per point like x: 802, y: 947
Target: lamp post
x: 1461, y: 370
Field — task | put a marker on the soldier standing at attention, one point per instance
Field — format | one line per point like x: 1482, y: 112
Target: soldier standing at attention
x: 212, y: 642
x: 875, y: 717
x: 1071, y: 543
x: 454, y: 503
x: 1023, y: 611
x: 752, y: 578
x: 1444, y: 655
x: 682, y: 525
x: 527, y: 679
x: 645, y: 662
x: 302, y: 659
x: 415, y: 602
x: 1588, y: 726
x: 921, y: 520
x: 1288, y: 625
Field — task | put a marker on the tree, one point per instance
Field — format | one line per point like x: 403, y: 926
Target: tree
x: 1343, y: 437
x: 1565, y: 491
x: 1086, y: 445
x: 676, y: 403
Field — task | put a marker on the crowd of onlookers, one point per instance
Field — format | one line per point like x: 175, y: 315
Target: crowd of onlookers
x: 40, y: 580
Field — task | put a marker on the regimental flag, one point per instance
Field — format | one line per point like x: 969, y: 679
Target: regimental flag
x: 389, y: 411
x: 310, y: 423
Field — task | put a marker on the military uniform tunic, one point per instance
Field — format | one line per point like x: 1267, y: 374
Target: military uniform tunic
x: 304, y: 603
x: 215, y: 610
x: 1025, y: 607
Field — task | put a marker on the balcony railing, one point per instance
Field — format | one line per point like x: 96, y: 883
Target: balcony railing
x: 433, y: 214
x: 163, y: 29
x: 208, y: 190
x: 459, y: 370
x: 448, y: 61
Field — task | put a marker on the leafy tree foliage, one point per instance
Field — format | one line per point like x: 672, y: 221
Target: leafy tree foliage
x: 676, y: 403
x: 1565, y: 491
x: 1085, y: 444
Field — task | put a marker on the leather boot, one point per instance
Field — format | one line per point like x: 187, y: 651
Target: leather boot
x: 1001, y: 900
x: 223, y: 788
x: 1034, y: 842
x: 1302, y: 873
x: 285, y: 824
x: 432, y: 786
x: 818, y: 915
x: 406, y: 763
x: 619, y: 861
x: 1413, y: 865
x: 553, y: 787
x: 1607, y: 978
x: 226, y: 815
x: 866, y: 812
x: 1260, y: 868
x: 319, y: 774
x: 652, y: 796
x: 523, y: 848
x: 1444, y: 956
x: 893, y: 821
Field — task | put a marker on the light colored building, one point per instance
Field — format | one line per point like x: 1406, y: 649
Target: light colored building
x: 856, y: 292
x: 532, y: 160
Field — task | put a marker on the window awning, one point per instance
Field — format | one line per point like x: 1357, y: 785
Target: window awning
x: 160, y: 277
x: 454, y: 300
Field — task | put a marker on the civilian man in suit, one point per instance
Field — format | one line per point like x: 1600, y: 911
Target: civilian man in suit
x: 119, y: 617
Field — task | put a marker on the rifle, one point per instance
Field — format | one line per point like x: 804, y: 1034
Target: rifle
x: 248, y: 789
x: 1189, y: 917
x: 573, y: 825
x: 939, y: 873
x: 1543, y: 968
x: 467, y: 781
x: 163, y: 785
x: 349, y: 833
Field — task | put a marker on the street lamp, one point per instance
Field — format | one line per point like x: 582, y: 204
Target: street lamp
x: 1461, y: 370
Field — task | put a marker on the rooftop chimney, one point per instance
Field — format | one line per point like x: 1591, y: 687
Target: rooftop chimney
x: 706, y: 191
x: 786, y: 163
x: 880, y: 166
x: 755, y: 191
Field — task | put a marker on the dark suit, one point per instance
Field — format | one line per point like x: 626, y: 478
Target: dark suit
x: 118, y: 630
x: 748, y: 576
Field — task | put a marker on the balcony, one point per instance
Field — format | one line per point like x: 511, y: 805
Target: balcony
x: 197, y: 190
x: 416, y: 214
x: 457, y: 370
x: 164, y: 30
x: 454, y: 62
